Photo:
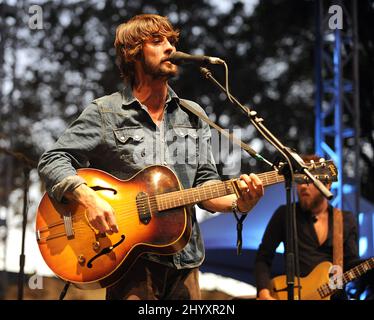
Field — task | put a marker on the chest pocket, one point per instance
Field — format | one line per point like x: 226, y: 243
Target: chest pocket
x: 131, y: 146
x: 187, y: 145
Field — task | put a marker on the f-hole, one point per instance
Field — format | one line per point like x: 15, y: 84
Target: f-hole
x: 99, y: 188
x: 105, y: 251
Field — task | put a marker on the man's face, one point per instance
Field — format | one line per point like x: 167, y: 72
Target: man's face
x: 309, y: 196
x: 154, y: 61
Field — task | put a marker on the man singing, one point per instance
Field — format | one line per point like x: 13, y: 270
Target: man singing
x: 124, y: 132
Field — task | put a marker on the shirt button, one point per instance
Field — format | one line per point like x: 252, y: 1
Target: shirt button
x: 122, y: 138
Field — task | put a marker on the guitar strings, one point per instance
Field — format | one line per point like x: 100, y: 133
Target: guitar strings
x: 165, y: 199
x: 159, y: 200
x: 156, y: 201
x: 120, y: 216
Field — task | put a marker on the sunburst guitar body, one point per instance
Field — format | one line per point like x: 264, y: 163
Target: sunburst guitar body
x: 152, y: 214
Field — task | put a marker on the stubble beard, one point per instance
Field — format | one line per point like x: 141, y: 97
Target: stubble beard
x: 160, y: 71
x: 311, y: 203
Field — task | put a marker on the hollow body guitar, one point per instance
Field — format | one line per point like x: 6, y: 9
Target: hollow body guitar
x: 152, y: 213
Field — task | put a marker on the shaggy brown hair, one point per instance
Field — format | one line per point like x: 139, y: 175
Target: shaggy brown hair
x: 131, y: 35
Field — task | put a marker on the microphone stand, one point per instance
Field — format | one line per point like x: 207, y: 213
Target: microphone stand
x: 27, y: 166
x: 294, y: 164
x: 22, y: 258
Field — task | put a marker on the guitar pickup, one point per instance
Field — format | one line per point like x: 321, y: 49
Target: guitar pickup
x: 143, y: 206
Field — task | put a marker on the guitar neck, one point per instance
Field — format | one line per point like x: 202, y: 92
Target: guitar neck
x: 348, y: 276
x: 210, y: 191
x: 358, y: 271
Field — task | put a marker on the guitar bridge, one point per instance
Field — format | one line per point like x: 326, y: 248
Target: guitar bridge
x: 68, y: 224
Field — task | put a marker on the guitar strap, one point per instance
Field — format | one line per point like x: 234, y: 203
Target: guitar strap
x: 239, y: 225
x: 229, y: 136
x: 337, y: 244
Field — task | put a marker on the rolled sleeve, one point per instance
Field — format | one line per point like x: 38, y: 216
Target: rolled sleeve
x: 71, y: 151
x: 66, y: 185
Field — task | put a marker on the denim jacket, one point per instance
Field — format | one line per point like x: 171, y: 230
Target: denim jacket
x: 115, y: 133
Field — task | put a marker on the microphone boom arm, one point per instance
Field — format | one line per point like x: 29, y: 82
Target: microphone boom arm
x: 258, y: 124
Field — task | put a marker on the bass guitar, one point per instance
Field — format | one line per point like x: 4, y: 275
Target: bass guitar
x: 317, y: 285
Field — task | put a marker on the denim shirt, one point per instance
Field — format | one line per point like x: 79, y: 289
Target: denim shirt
x: 115, y: 133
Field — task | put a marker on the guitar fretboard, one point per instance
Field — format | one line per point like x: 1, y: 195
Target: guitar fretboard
x: 358, y: 271
x: 209, y: 191
x: 325, y: 290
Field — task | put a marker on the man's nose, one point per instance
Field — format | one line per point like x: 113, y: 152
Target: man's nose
x: 169, y: 48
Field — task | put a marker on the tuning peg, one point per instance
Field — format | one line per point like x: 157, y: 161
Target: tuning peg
x: 312, y: 164
x: 322, y: 161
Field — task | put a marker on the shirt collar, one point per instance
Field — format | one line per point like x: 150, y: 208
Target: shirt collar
x: 128, y: 98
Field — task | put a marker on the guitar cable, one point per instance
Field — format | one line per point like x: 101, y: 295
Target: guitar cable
x: 64, y: 290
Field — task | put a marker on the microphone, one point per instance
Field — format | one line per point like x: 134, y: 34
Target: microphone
x: 181, y: 58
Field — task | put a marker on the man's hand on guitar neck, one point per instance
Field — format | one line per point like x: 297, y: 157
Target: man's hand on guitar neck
x: 100, y: 214
x: 251, y: 191
x: 264, y: 294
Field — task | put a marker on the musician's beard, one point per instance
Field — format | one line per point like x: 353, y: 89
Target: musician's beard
x: 161, y: 70
x: 309, y: 203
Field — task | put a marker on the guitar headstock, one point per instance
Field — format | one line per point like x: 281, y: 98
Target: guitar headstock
x: 325, y: 171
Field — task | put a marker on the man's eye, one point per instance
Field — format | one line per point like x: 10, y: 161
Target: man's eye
x: 156, y: 40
